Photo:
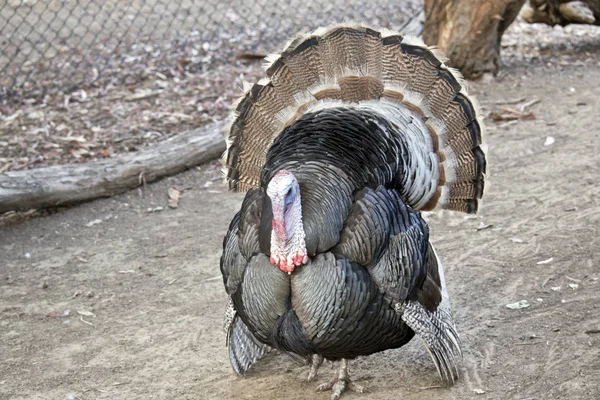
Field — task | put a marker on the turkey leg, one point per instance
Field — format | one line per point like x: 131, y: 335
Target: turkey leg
x: 317, y: 360
x: 340, y: 382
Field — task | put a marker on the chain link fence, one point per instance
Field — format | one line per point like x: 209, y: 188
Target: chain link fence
x: 59, y: 45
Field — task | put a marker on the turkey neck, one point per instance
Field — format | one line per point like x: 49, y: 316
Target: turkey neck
x: 332, y: 153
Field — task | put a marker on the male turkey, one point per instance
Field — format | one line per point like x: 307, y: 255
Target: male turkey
x: 353, y: 132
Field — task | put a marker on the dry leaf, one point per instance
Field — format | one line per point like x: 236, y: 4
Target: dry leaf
x: 12, y: 117
x: 69, y: 139
x: 518, y: 305
x: 547, y: 261
x: 174, y: 196
x: 86, y: 313
x: 34, y: 115
x: 483, y: 226
x: 94, y: 222
x: 143, y: 94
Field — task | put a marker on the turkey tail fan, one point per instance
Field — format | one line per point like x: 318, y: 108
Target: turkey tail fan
x: 385, y: 72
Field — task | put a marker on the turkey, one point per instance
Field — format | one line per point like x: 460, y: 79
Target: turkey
x: 353, y: 133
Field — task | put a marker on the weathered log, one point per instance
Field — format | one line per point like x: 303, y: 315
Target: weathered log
x: 562, y: 12
x: 469, y: 31
x: 74, y: 183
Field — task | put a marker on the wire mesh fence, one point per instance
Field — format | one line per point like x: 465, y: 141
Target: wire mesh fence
x: 50, y: 45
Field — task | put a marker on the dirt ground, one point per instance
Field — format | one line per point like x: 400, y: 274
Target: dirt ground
x: 110, y: 301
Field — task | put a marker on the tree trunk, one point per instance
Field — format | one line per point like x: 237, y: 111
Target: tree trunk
x: 562, y: 12
x: 74, y: 183
x: 469, y: 31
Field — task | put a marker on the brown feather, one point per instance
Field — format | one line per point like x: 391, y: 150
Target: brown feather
x: 424, y: 67
x: 282, y: 78
x: 341, y: 50
x: 441, y: 92
x: 393, y: 94
x: 357, y: 88
x: 433, y: 201
x: 305, y: 64
x: 330, y: 93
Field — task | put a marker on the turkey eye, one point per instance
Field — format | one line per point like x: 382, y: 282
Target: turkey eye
x: 288, y: 196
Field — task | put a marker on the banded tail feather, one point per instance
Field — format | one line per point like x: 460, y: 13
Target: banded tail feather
x: 395, y: 75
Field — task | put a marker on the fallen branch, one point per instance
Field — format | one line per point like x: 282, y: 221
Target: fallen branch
x: 510, y: 114
x: 529, y: 104
x: 74, y: 183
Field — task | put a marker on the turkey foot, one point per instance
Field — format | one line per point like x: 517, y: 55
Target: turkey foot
x: 317, y: 360
x: 340, y: 382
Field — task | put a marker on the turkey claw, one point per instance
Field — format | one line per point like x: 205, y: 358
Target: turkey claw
x: 338, y: 386
x: 340, y: 382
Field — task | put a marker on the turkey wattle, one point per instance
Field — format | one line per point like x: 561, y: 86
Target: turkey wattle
x: 351, y: 135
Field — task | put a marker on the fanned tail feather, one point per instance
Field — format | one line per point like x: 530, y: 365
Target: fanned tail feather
x: 244, y: 348
x: 439, y: 334
x: 436, y: 328
x: 357, y: 65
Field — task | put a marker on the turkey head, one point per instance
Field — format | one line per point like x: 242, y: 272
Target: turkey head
x: 288, y: 248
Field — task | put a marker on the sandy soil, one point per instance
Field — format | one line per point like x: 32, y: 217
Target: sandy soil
x: 131, y: 306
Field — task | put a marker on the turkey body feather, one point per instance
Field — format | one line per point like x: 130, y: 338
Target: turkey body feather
x: 352, y: 134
